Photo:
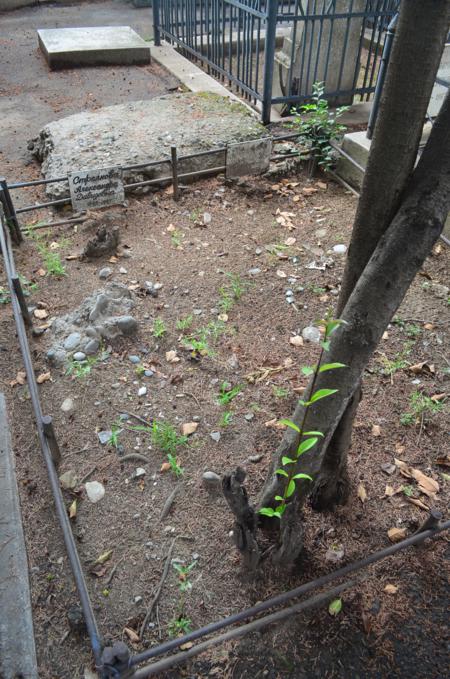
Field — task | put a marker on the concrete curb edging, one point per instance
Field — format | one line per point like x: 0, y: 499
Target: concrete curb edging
x: 17, y: 647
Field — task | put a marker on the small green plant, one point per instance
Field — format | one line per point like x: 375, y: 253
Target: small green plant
x: 422, y: 409
x: 227, y: 393
x: 390, y: 366
x: 231, y: 292
x: 52, y: 261
x: 163, y: 435
x: 185, y: 323
x: 116, y: 430
x: 179, y: 626
x: 412, y: 330
x: 27, y: 289
x: 307, y: 439
x: 195, y: 216
x: 280, y: 392
x: 139, y: 370
x: 159, y: 328
x: 184, y: 572
x: 317, y: 127
x: 176, y: 238
x: 408, y: 491
x: 199, y: 340
x: 81, y: 368
x: 226, y: 418
x: 174, y: 466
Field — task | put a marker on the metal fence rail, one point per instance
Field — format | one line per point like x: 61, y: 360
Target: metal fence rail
x: 338, y: 42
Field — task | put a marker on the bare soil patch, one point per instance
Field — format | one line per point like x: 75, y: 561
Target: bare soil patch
x: 191, y: 248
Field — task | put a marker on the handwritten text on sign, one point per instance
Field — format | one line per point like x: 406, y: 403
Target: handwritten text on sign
x: 96, y: 188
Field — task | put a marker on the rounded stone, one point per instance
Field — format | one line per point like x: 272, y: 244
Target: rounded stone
x: 92, y: 347
x: 68, y: 406
x: 311, y: 334
x: 105, y: 273
x: 211, y: 481
x: 79, y: 356
x: 56, y: 357
x: 72, y: 341
x: 127, y: 324
x: 134, y: 359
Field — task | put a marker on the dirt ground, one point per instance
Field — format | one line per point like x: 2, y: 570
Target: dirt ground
x: 393, y: 622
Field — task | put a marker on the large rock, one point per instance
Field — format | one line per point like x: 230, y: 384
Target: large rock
x: 103, y: 315
x: 143, y: 131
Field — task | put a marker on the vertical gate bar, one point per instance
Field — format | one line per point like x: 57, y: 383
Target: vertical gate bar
x: 174, y: 159
x: 15, y: 280
x: 258, y: 55
x: 269, y: 59
x: 370, y: 52
x: 10, y: 213
x: 319, y: 44
x: 344, y: 49
x: 330, y: 41
x: 375, y: 55
x: 360, y: 46
x: 156, y: 23
x: 230, y: 45
x: 381, y: 76
x: 288, y: 89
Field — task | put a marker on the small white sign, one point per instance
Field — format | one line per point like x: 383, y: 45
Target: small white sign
x: 96, y: 188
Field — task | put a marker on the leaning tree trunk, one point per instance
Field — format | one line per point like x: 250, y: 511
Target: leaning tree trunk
x: 378, y: 293
x: 420, y: 36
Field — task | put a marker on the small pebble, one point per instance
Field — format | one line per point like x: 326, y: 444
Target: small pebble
x: 68, y: 406
x: 215, y: 435
x: 95, y: 491
x: 105, y: 273
x: 149, y: 373
x: 79, y: 356
x: 134, y: 359
x: 211, y: 481
x: 122, y: 270
x: 104, y: 436
x: 255, y: 271
x: 249, y: 416
x: 207, y: 219
x: 311, y: 334
x: 340, y: 249
x: 142, y: 391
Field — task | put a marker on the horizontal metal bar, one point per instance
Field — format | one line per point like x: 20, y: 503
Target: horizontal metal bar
x: 196, y: 173
x: 348, y: 157
x: 29, y: 208
x: 295, y: 18
x: 247, y: 9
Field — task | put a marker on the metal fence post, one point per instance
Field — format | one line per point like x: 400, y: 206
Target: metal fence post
x: 389, y: 39
x: 269, y: 58
x: 10, y: 213
x: 156, y: 22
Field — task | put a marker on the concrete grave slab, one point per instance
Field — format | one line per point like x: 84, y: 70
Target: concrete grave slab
x: 17, y: 648
x: 92, y: 46
x: 249, y: 157
x: 142, y: 132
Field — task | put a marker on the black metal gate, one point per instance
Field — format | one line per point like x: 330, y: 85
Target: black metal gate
x: 272, y: 51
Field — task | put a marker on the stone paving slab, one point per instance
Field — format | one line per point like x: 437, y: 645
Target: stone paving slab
x: 17, y: 649
x: 92, y: 46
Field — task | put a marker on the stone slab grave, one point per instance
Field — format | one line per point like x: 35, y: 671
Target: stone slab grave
x: 92, y: 46
x: 144, y: 131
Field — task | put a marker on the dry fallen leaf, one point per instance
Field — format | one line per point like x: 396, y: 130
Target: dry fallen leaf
x: 399, y: 448
x: 423, y: 367
x: 322, y: 185
x: 41, y: 272
x: 44, y: 377
x: 438, y: 397
x: 290, y: 241
x: 429, y: 326
x: 418, y: 503
x: 296, y: 341
x: 396, y: 534
x: 427, y: 485
x: 186, y: 646
x: 376, y: 430
x: 223, y: 317
x: 73, y: 510
x: 309, y: 190
x: 171, y: 357
x: 70, y: 258
x: 391, y: 589
x: 105, y: 556
x: 132, y: 635
x: 362, y: 494
x: 385, y: 335
x: 171, y: 228
x: 389, y: 491
x: 189, y: 428
x: 20, y: 378
x: 274, y: 424
x: 165, y: 467
x: 40, y: 314
x: 281, y: 274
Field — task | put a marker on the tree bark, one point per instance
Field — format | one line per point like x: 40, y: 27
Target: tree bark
x: 378, y: 293
x: 410, y: 78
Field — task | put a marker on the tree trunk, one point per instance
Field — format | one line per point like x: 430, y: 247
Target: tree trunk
x: 421, y: 30
x: 378, y: 293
